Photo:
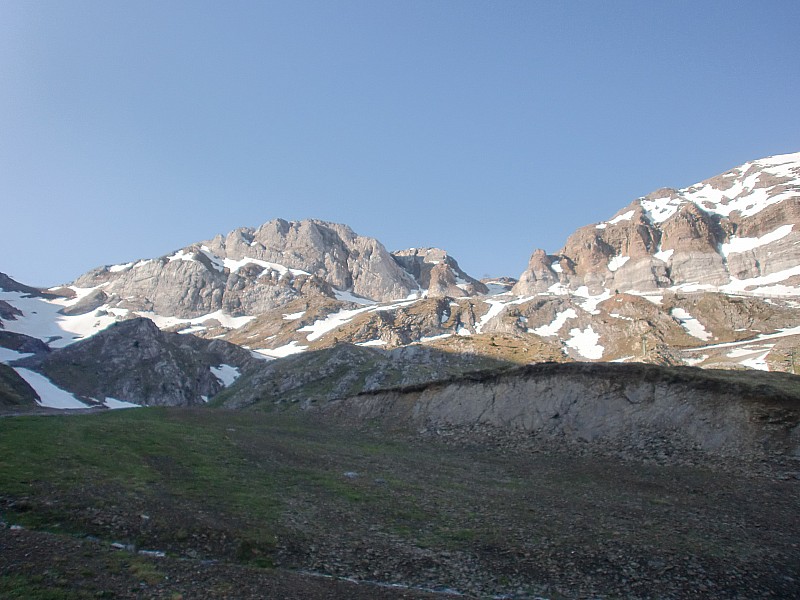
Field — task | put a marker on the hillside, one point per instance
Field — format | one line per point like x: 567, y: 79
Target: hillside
x: 240, y: 502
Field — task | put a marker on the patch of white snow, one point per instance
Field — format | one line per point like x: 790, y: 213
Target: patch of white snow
x: 558, y: 322
x: 226, y: 374
x: 51, y: 395
x: 627, y: 216
x: 738, y: 245
x: 664, y: 255
x: 585, y: 343
x: 115, y: 404
x: 287, y: 350
x: 7, y: 355
x: 119, y: 268
x: 617, y: 261
x: 692, y: 326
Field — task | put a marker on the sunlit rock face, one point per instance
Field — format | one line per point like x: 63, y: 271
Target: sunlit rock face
x: 739, y: 231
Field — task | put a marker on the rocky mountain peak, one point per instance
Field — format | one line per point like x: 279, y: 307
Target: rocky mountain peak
x: 737, y: 229
x: 434, y: 270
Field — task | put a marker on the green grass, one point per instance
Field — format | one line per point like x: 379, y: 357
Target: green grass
x: 265, y: 488
x: 195, y: 473
x: 18, y: 587
x: 133, y: 461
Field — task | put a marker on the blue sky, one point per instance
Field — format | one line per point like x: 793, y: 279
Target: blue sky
x: 130, y: 129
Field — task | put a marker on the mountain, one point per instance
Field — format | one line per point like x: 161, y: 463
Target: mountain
x: 708, y: 276
x: 736, y: 232
x: 135, y: 362
x: 253, y: 271
x: 345, y: 370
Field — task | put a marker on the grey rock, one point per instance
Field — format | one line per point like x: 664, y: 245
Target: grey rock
x: 134, y: 361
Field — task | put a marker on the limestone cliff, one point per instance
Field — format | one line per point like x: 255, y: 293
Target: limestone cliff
x: 736, y: 232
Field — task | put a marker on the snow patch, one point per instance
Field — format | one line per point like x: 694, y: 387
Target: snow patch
x: 432, y: 338
x: 7, y: 355
x: 627, y: 216
x: 617, y: 261
x: 758, y: 362
x: 119, y: 268
x: 664, y: 255
x: 287, y: 350
x: 349, y: 296
x: 224, y: 319
x: 552, y: 329
x: 332, y: 321
x: 41, y: 318
x: 495, y: 308
x: 226, y: 374
x: 692, y: 326
x: 738, y: 245
x: 294, y: 316
x: 216, y: 261
x: 115, y: 404
x: 235, y: 265
x: 590, y: 302
x: 786, y: 332
x: 746, y: 195
x: 741, y: 285
x: 619, y: 316
x: 51, y: 396
x: 623, y: 359
x: 585, y: 343
x: 182, y: 255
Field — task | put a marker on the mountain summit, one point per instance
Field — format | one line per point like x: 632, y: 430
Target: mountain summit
x: 736, y: 232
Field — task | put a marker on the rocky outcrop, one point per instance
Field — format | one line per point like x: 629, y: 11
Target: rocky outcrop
x: 329, y: 251
x: 22, y: 344
x: 134, y: 361
x: 14, y: 390
x: 438, y: 273
x: 719, y: 413
x: 8, y: 284
x: 252, y: 271
x: 718, y: 234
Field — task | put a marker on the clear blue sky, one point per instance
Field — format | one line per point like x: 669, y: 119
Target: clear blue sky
x: 130, y: 129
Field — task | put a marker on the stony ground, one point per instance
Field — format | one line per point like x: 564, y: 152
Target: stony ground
x: 276, y: 498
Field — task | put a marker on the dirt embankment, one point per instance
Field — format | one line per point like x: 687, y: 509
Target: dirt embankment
x: 718, y: 413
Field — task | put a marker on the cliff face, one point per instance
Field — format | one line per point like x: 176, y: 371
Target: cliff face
x: 738, y: 231
x: 253, y: 271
